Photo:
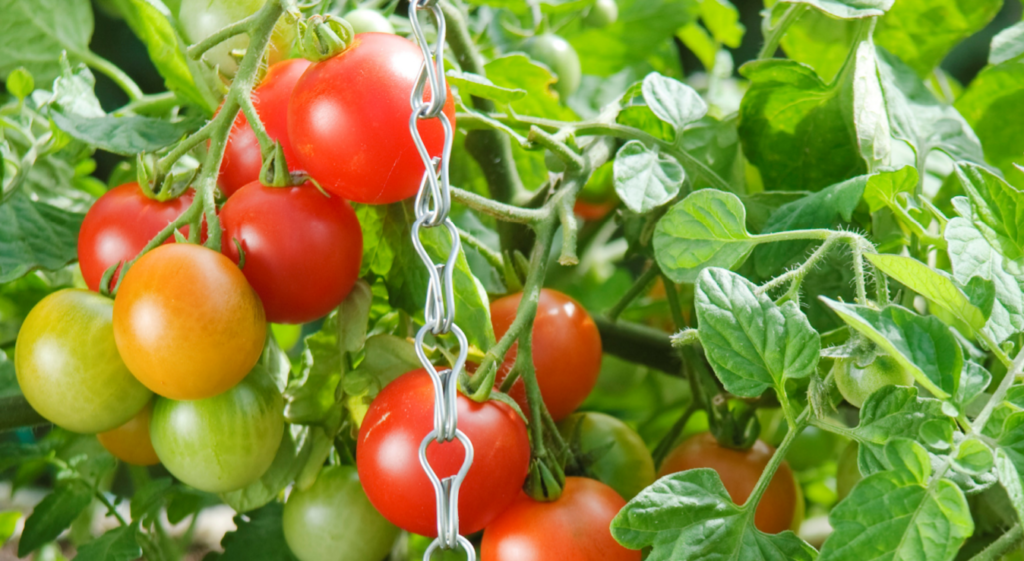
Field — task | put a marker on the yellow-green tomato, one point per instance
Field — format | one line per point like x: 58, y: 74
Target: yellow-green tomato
x: 68, y: 366
x: 364, y: 20
x: 609, y: 452
x: 221, y: 443
x: 558, y: 55
x: 334, y: 520
x: 602, y: 14
x: 857, y: 383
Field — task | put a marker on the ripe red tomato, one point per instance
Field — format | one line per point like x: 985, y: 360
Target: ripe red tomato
x: 592, y: 211
x: 187, y: 323
x: 130, y: 442
x: 740, y: 470
x: 242, y: 161
x: 387, y: 456
x: 119, y: 225
x: 566, y: 350
x: 573, y: 528
x: 302, y: 249
x: 354, y: 138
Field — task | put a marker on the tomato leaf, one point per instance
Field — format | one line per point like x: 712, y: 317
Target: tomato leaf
x: 883, y: 189
x: 1007, y: 45
x: 817, y: 210
x: 706, y: 229
x: 8, y: 523
x: 723, y: 21
x: 644, y: 178
x: 751, y: 343
x: 127, y: 136
x: 291, y: 457
x: 990, y: 104
x: 973, y: 257
x: 259, y: 535
x: 847, y: 9
x: 35, y: 235
x: 310, y: 396
x: 917, y: 116
x: 897, y: 514
x: 673, y: 101
x: 470, y: 84
x: 34, y: 34
x: 677, y: 515
x: 922, y: 344
x: 53, y: 515
x: 922, y: 32
x: 1010, y: 479
x: 517, y: 72
x: 997, y: 208
x: 118, y: 544
x: 1011, y: 439
x: 936, y: 287
x: 973, y: 380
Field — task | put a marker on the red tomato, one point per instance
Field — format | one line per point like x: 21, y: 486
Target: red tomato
x: 302, y: 249
x: 242, y: 161
x: 740, y: 470
x: 387, y: 456
x: 349, y: 121
x: 592, y: 211
x: 566, y: 350
x: 119, y: 225
x: 573, y: 528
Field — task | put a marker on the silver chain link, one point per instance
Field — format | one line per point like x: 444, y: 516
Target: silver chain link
x: 432, y: 206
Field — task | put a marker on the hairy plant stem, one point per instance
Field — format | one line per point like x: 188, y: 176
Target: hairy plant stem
x: 777, y: 31
x: 795, y: 429
x: 634, y: 291
x: 111, y: 71
x: 1006, y: 543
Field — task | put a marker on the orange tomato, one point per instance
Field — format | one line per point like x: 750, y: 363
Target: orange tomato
x: 130, y: 442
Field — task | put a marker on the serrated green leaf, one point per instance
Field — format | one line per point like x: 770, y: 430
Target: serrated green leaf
x: 148, y: 499
x: 896, y: 411
x: 387, y: 357
x: 673, y: 101
x: 35, y: 235
x: 919, y: 118
x: 1007, y: 45
x: 127, y: 136
x: 751, y: 343
x: 470, y: 84
x: 1011, y: 439
x: 817, y: 210
x: 997, y: 208
x: 291, y: 457
x: 723, y: 21
x: 974, y: 457
x: 883, y: 189
x: 310, y: 396
x: 35, y: 33
x: 679, y: 513
x: 259, y: 536
x: 1009, y: 478
x: 936, y: 287
x: 53, y: 515
x: 118, y: 544
x: 706, y: 229
x: 353, y: 317
x: 898, y: 515
x: 644, y: 178
x: 384, y: 229
x: 991, y: 104
x: 517, y: 72
x: 818, y: 39
x: 847, y: 9
x: 922, y: 32
x: 973, y: 380
x: 921, y: 344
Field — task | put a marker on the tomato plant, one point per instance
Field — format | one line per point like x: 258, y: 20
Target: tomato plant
x: 221, y: 443
x: 790, y: 224
x: 575, y: 527
x: 119, y: 225
x: 301, y: 249
x: 242, y: 160
x: 566, y: 353
x: 740, y: 471
x: 187, y: 323
x: 389, y: 469
x: 379, y: 71
x: 334, y: 515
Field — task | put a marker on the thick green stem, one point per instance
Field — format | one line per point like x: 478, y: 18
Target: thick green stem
x: 638, y: 343
x: 1008, y: 542
x: 1014, y: 370
x: 788, y: 18
x: 242, y: 26
x: 773, y: 465
x: 634, y: 291
x: 501, y: 211
x: 111, y: 71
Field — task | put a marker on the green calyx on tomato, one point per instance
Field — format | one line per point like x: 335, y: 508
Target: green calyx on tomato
x: 68, y: 365
x: 606, y: 449
x: 857, y: 382
x: 334, y: 515
x: 221, y: 443
x: 557, y: 54
x: 323, y: 37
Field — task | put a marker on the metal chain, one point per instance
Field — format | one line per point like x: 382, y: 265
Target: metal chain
x: 433, y: 203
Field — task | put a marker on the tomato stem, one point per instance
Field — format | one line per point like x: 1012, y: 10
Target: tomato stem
x: 638, y: 288
x: 788, y: 18
x: 1008, y: 542
x: 777, y: 458
x: 242, y: 26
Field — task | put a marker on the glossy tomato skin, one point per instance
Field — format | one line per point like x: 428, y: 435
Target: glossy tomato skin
x: 68, y: 366
x: 610, y: 451
x: 302, y: 249
x: 187, y: 323
x: 573, y: 528
x: 242, y: 160
x: 558, y: 55
x: 387, y: 456
x: 334, y: 515
x: 221, y: 443
x: 119, y: 224
x: 566, y: 350
x: 130, y: 442
x: 740, y: 470
x: 857, y: 383
x: 354, y: 140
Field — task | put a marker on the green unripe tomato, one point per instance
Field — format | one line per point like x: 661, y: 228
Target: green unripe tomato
x: 221, y: 443
x: 333, y: 520
x: 364, y: 20
x: 811, y: 448
x: 68, y: 366
x: 612, y: 453
x: 602, y: 14
x: 560, y: 57
x: 847, y: 472
x: 857, y: 384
